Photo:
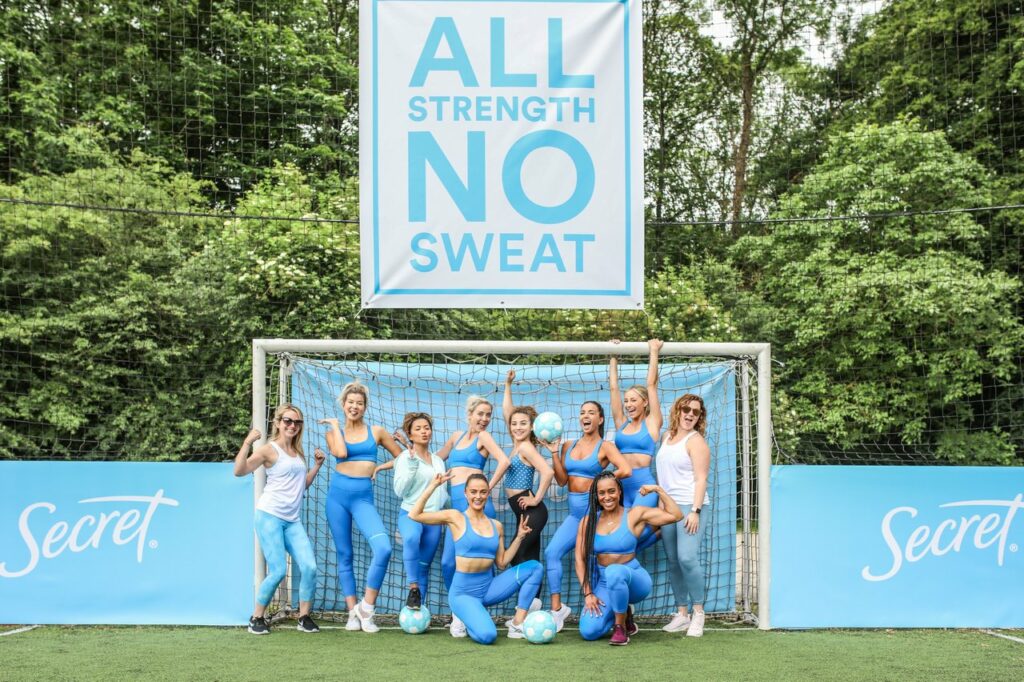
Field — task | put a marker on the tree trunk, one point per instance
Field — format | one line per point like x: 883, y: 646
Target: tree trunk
x: 743, y: 148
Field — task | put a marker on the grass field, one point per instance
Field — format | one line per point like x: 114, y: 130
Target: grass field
x: 189, y: 653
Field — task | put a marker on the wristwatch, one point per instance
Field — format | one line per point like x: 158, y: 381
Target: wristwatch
x: 696, y: 511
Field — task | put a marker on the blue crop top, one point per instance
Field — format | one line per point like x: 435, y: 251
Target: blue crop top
x: 640, y: 442
x: 468, y: 456
x: 619, y: 541
x: 472, y: 545
x: 519, y: 475
x: 366, y: 451
x: 584, y: 468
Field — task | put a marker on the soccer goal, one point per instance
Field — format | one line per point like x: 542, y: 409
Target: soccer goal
x: 438, y: 376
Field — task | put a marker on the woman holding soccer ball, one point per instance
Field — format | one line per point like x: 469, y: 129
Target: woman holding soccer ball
x: 576, y: 464
x: 277, y: 512
x: 684, y: 462
x: 479, y: 548
x: 606, y: 564
x: 350, y: 499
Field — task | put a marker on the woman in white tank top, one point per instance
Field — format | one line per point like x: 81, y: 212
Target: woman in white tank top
x: 278, y: 524
x: 683, y: 464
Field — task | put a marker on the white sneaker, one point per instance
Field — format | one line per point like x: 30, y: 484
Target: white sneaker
x: 696, y: 628
x: 515, y: 631
x: 678, y: 622
x: 353, y: 621
x: 457, y: 628
x: 560, y: 615
x: 535, y: 605
x: 364, y: 612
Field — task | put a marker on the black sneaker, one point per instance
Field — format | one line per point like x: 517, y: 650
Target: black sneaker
x: 415, y: 599
x: 258, y: 626
x: 631, y: 627
x: 306, y: 624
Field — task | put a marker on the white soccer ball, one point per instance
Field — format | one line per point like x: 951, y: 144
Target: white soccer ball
x: 547, y: 426
x: 539, y: 627
x: 414, y: 621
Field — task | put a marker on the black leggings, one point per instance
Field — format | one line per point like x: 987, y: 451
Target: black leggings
x: 536, y: 518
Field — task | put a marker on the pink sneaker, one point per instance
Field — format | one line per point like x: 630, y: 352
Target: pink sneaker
x: 631, y: 627
x: 619, y: 636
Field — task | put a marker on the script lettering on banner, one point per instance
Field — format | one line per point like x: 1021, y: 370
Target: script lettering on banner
x: 501, y: 154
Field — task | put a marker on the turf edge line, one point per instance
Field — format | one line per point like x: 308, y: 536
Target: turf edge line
x: 18, y: 630
x: 1002, y: 636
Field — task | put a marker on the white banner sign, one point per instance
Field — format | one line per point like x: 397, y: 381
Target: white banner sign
x: 501, y: 153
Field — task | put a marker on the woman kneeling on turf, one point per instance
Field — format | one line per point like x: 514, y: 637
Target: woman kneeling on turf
x: 479, y: 546
x: 606, y: 550
x: 277, y: 512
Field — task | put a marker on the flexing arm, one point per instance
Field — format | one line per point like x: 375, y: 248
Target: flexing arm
x: 318, y: 458
x: 246, y: 464
x: 494, y: 451
x: 656, y: 516
x: 506, y: 402
x: 335, y: 441
x: 506, y: 554
x: 534, y: 459
x: 438, y: 518
x: 618, y: 416
x: 612, y: 455
x: 446, y: 449
x: 654, y: 420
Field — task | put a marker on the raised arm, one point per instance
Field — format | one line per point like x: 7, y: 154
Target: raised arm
x: 506, y: 402
x: 318, y: 459
x: 446, y: 449
x: 438, y: 518
x: 700, y: 455
x: 387, y: 441
x: 245, y: 463
x: 506, y: 554
x: 499, y: 456
x: 335, y: 441
x: 617, y: 460
x: 668, y: 513
x: 534, y: 459
x: 618, y: 416
x: 557, y: 450
x: 654, y: 420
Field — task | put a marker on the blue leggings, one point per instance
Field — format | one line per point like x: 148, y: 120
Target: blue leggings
x: 472, y: 593
x: 618, y: 586
x: 631, y: 498
x: 351, y: 498
x: 564, y: 539
x: 684, y: 568
x: 278, y: 536
x: 419, y: 545
x: 459, y: 503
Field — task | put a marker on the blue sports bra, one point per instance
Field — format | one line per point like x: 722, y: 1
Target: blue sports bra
x: 468, y: 456
x: 472, y: 545
x: 365, y: 451
x: 519, y: 475
x: 619, y: 541
x: 640, y: 442
x: 584, y: 468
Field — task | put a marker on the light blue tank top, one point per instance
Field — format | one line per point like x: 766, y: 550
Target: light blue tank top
x: 365, y: 451
x: 584, y: 468
x: 472, y: 545
x: 519, y: 475
x: 619, y: 541
x: 640, y: 442
x: 468, y: 456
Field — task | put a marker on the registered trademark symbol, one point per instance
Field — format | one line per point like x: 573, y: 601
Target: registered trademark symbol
x: 153, y: 544
x: 1013, y: 547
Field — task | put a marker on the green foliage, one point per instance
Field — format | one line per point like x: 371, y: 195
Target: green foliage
x: 886, y: 326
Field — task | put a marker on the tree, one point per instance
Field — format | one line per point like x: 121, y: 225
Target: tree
x: 889, y: 327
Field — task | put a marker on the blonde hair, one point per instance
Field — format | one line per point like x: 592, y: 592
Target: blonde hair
x: 642, y: 392
x: 274, y: 430
x: 474, y: 401
x: 677, y: 407
x: 354, y: 387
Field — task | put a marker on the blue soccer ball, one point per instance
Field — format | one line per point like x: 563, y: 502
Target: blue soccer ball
x: 547, y: 426
x: 414, y: 621
x: 539, y: 627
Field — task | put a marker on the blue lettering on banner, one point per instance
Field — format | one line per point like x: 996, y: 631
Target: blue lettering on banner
x: 897, y: 546
x: 125, y: 543
x: 478, y: 247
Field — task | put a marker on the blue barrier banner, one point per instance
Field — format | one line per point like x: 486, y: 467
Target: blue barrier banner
x: 125, y: 543
x: 314, y: 388
x: 883, y: 546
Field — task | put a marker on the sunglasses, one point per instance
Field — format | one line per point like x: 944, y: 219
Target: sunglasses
x: 287, y: 421
x: 686, y: 409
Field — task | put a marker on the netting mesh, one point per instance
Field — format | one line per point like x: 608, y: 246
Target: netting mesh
x: 440, y: 384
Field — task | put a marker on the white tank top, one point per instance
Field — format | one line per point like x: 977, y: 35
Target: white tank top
x: 675, y: 471
x: 286, y: 482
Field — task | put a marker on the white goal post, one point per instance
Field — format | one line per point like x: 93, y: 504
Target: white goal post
x: 760, y: 432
